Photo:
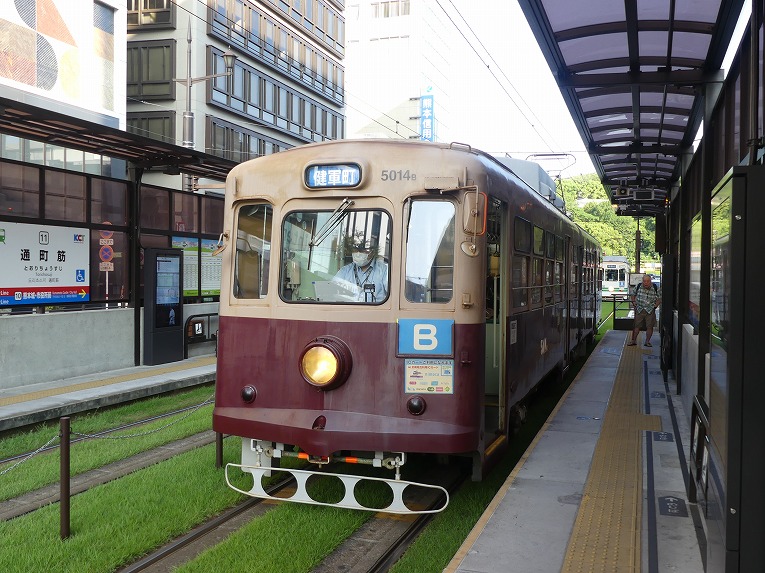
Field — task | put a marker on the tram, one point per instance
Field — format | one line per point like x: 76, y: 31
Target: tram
x: 384, y: 298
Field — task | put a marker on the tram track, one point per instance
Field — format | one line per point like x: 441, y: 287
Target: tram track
x: 38, y: 498
x: 378, y: 544
x: 372, y: 548
x: 186, y: 547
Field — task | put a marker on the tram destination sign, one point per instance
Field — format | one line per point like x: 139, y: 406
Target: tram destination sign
x: 336, y: 175
x: 43, y: 264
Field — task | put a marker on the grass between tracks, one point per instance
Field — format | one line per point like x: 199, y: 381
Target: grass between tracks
x: 116, y: 523
x: 43, y: 469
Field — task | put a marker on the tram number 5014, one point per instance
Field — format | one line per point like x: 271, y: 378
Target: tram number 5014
x: 397, y: 174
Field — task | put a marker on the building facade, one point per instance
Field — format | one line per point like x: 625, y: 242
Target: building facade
x: 286, y: 88
x: 397, y: 62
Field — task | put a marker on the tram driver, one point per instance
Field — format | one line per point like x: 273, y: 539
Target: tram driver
x: 366, y: 275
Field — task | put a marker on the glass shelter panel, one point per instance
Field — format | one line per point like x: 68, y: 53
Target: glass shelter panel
x: 720, y: 279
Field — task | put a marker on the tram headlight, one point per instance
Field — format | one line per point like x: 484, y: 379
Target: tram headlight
x: 326, y: 362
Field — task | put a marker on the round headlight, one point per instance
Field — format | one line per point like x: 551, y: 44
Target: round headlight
x: 319, y: 366
x: 326, y: 362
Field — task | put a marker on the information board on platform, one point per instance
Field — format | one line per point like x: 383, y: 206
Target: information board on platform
x: 210, y: 271
x: 42, y: 264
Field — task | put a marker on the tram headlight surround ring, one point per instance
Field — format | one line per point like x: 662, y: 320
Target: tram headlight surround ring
x: 325, y: 362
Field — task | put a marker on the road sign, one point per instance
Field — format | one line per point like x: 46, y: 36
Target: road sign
x: 106, y: 234
x: 106, y: 253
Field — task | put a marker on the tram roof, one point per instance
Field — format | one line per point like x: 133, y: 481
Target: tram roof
x: 629, y: 72
x: 40, y: 124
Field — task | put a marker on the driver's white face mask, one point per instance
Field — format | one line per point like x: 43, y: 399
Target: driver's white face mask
x: 361, y: 259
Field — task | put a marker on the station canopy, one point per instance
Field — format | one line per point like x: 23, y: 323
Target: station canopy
x: 31, y: 122
x: 630, y: 72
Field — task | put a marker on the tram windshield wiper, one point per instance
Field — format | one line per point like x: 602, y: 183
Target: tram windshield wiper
x: 331, y: 223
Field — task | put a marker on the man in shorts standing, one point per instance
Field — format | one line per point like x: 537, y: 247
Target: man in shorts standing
x: 645, y: 301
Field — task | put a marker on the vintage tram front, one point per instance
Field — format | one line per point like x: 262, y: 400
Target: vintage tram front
x: 352, y: 305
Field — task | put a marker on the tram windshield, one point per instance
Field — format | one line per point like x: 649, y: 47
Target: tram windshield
x: 339, y: 256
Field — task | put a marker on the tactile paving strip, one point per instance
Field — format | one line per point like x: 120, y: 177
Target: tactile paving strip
x: 606, y: 534
x: 203, y: 361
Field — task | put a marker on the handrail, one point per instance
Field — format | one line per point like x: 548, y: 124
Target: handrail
x: 208, y: 337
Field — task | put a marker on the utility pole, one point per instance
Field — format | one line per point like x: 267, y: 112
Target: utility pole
x: 229, y: 58
x: 637, y: 246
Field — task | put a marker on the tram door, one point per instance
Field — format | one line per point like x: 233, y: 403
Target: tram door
x: 496, y: 323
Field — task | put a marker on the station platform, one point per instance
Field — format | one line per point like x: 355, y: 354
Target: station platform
x: 603, y: 485
x: 36, y: 403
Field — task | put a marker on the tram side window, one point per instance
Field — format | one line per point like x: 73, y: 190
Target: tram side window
x: 253, y: 251
x: 520, y: 281
x: 549, y: 245
x: 430, y: 252
x: 536, y: 282
x: 522, y: 235
x: 549, y: 282
x: 539, y: 241
x: 574, y: 282
x: 522, y: 241
x: 558, y: 279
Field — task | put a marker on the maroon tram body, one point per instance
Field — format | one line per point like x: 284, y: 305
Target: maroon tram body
x: 383, y: 297
x: 364, y: 414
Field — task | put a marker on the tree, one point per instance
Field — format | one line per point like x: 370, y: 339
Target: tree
x: 615, y: 234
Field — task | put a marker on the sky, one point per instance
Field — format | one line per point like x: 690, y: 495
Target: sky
x: 510, y: 102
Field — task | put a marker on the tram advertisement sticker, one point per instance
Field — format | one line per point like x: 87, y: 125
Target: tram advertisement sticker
x: 429, y: 376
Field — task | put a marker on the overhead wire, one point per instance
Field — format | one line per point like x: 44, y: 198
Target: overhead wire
x: 504, y: 75
x: 491, y: 72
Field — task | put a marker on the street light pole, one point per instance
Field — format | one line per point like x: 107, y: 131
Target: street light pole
x: 229, y: 58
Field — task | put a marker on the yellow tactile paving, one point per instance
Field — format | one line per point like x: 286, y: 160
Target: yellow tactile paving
x: 193, y: 363
x: 606, y: 535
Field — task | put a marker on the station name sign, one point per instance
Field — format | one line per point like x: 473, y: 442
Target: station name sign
x: 43, y: 264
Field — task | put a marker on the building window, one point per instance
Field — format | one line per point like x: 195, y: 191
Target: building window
x: 236, y: 143
x: 269, y: 41
x: 390, y: 9
x: 150, y: 14
x: 157, y: 125
x: 273, y: 103
x: 150, y: 69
